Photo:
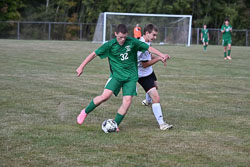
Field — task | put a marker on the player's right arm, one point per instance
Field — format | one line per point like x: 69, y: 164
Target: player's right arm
x: 164, y: 57
x: 223, y: 29
x: 158, y: 53
x: 88, y: 59
x: 151, y: 62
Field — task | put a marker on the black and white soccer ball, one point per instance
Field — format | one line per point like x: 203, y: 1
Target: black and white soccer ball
x: 109, y: 126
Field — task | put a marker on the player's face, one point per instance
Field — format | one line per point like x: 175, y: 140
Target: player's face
x: 226, y: 23
x: 121, y: 38
x: 205, y: 26
x: 152, y: 36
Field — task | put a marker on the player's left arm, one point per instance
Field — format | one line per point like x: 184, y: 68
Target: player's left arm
x: 208, y: 36
x: 158, y: 53
x: 151, y: 62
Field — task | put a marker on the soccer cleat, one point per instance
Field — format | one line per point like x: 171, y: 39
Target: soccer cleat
x: 229, y: 58
x: 81, y: 117
x: 145, y: 103
x: 117, y: 129
x: 225, y: 58
x: 165, y: 126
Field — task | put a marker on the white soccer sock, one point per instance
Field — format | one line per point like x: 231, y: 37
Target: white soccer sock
x: 148, y: 98
x: 156, y: 107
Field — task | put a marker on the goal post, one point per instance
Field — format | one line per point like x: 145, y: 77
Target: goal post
x: 172, y: 29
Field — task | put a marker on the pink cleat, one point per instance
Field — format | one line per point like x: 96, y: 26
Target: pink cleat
x: 81, y: 117
x: 117, y: 129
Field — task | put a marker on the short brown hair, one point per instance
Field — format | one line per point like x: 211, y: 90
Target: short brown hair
x: 122, y: 28
x: 149, y: 28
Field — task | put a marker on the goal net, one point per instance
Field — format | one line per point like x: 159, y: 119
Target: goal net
x: 172, y: 29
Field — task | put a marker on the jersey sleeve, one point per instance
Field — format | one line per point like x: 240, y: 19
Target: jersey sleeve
x: 143, y: 57
x: 141, y: 46
x: 222, y: 28
x: 103, y: 51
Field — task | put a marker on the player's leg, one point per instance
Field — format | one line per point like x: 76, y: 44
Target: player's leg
x: 148, y: 100
x: 225, y: 52
x: 147, y: 83
x: 93, y: 104
x: 225, y: 44
x: 146, y: 86
x: 128, y: 90
x: 204, y: 44
x: 112, y: 87
x: 229, y: 51
x: 126, y: 103
x: 99, y: 100
x: 156, y: 108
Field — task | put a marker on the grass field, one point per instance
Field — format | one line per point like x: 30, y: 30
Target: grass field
x: 206, y: 98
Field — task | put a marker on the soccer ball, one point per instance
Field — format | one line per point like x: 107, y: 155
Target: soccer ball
x: 109, y: 126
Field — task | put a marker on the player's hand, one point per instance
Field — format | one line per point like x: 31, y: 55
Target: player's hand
x: 167, y: 56
x: 79, y: 71
x: 163, y: 60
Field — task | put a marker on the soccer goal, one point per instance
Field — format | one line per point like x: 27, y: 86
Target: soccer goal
x: 172, y: 29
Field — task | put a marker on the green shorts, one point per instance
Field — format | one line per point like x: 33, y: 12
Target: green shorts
x: 226, y: 42
x: 128, y: 87
x: 204, y: 40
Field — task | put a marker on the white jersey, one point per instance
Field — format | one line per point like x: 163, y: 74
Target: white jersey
x: 142, y: 57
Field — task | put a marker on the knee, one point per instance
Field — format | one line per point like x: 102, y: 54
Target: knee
x: 104, y: 97
x: 127, y: 101
x: 155, y: 97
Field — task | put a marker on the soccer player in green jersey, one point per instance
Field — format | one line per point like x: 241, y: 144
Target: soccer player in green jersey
x: 204, y: 37
x: 122, y: 55
x: 226, y: 30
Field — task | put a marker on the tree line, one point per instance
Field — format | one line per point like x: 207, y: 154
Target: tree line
x: 210, y: 12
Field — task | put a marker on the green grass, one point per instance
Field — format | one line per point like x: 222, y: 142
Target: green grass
x: 206, y: 98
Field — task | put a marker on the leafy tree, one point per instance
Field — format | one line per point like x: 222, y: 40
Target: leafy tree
x: 211, y: 12
x: 9, y: 9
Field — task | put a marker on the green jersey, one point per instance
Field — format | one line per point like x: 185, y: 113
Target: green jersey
x: 227, y: 33
x: 122, y: 59
x: 204, y: 33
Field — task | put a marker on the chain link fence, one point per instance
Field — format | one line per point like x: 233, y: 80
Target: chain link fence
x: 85, y: 31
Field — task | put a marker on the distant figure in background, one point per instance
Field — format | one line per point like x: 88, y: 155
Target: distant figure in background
x: 226, y: 30
x: 137, y: 31
x: 204, y: 37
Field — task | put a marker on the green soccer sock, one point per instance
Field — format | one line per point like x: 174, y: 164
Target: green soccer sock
x: 119, y: 118
x: 229, y: 52
x: 204, y: 47
x: 90, y: 107
x: 225, y: 54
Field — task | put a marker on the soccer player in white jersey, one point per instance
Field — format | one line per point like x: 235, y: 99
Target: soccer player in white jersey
x: 147, y: 78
